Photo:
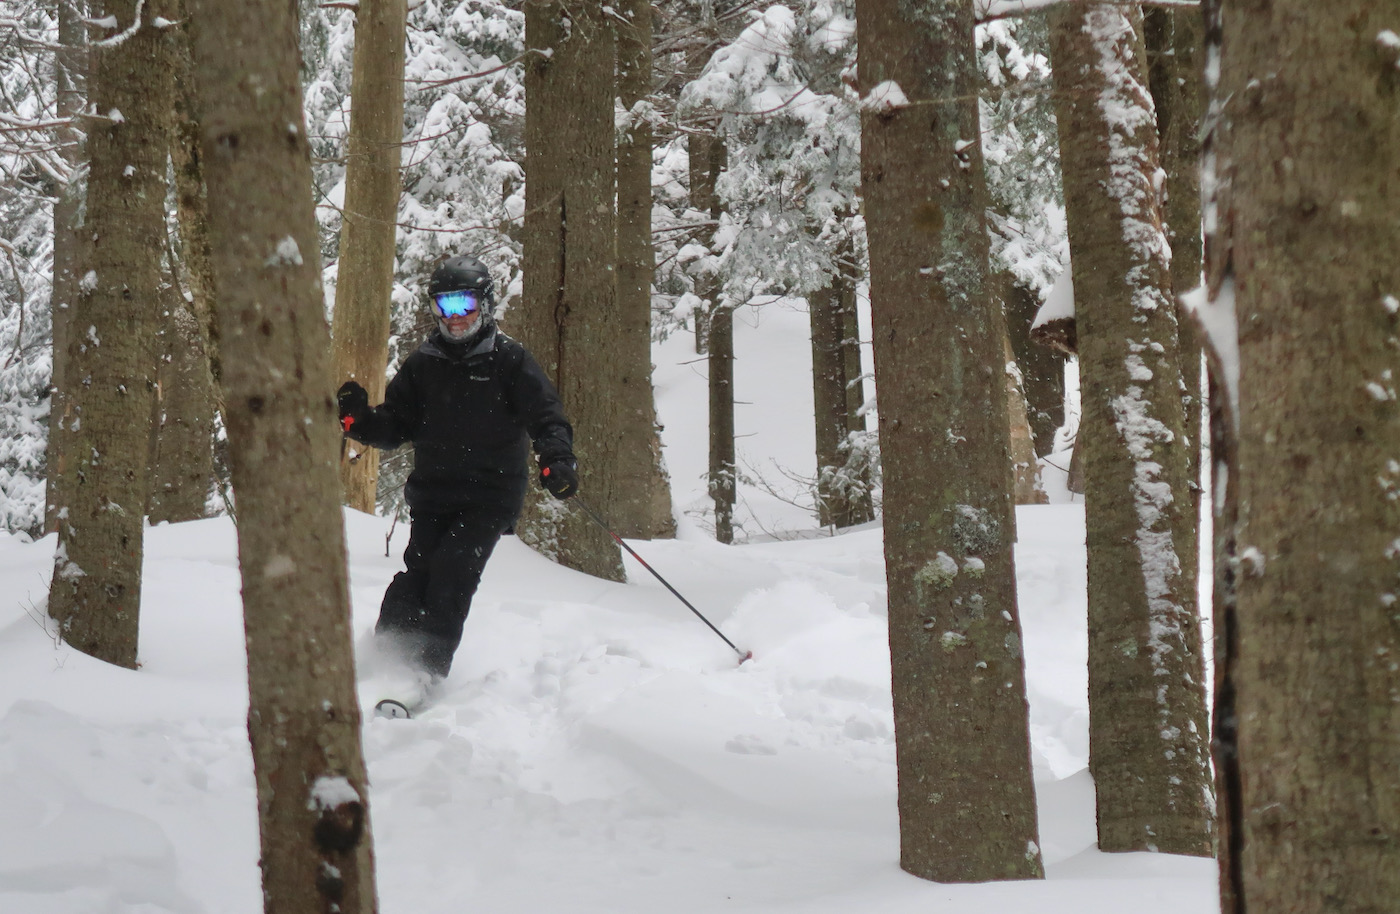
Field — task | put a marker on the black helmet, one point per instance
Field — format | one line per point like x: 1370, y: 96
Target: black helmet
x: 462, y: 272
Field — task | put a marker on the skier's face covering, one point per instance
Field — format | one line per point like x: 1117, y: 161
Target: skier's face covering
x: 457, y: 311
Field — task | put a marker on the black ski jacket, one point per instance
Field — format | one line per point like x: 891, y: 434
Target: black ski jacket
x: 471, y: 411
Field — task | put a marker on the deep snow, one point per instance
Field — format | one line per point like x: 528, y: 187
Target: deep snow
x: 596, y: 748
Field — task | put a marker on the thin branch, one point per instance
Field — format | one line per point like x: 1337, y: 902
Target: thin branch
x: 993, y: 10
x: 438, y: 83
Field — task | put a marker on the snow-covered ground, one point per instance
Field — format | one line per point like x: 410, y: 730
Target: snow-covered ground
x: 597, y: 749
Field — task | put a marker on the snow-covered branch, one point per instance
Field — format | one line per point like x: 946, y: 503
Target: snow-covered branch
x: 992, y: 10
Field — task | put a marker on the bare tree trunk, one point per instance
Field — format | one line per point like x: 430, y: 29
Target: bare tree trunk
x: 372, y: 188
x: 843, y: 490
x: 71, y: 73
x: 1025, y: 471
x: 182, y: 416
x: 96, y: 594
x: 1148, y: 726
x: 828, y: 398
x: 192, y: 206
x: 569, y: 319
x: 303, y: 716
x: 1176, y: 77
x: 1042, y: 369
x: 642, y: 507
x: 966, y: 798
x: 1303, y: 267
x: 723, y: 485
x: 707, y: 159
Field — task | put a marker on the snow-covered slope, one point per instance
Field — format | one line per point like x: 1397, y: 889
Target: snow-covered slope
x: 596, y: 749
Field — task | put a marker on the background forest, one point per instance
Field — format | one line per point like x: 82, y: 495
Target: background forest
x: 1102, y: 254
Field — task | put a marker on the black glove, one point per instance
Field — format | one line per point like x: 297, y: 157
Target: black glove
x: 560, y: 477
x: 353, y: 402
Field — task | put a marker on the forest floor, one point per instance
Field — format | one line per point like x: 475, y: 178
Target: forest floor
x: 596, y: 748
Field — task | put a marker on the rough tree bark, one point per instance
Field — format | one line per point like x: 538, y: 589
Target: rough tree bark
x: 191, y: 205
x: 1026, y: 488
x: 723, y: 481
x: 966, y: 799
x: 96, y: 593
x: 714, y: 323
x: 1148, y: 728
x: 70, y: 71
x: 642, y: 506
x: 1176, y: 78
x: 365, y: 280
x: 837, y: 397
x: 568, y: 317
x: 1302, y: 265
x: 303, y: 715
x: 182, y: 414
x: 1042, y: 368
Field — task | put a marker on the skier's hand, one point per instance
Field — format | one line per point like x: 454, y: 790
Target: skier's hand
x: 560, y: 477
x: 353, y: 402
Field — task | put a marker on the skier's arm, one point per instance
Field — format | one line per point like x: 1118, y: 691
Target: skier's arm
x: 392, y: 423
x: 537, y: 404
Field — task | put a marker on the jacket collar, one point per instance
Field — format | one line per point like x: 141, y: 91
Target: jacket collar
x: 440, y: 347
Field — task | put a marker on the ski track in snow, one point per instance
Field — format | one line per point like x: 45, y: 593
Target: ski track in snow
x: 596, y: 748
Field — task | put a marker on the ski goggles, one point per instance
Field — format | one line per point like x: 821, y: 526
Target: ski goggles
x: 458, y: 303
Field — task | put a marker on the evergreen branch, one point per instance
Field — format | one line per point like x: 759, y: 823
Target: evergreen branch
x: 989, y: 12
x: 437, y: 84
x: 23, y: 296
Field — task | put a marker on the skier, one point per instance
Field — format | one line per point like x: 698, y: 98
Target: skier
x: 470, y: 399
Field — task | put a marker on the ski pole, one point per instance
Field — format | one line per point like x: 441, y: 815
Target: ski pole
x: 743, y: 655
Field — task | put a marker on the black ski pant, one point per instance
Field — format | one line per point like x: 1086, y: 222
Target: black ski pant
x: 426, y: 604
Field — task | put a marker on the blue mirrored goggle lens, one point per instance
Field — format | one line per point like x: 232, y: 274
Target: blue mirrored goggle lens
x: 456, y: 304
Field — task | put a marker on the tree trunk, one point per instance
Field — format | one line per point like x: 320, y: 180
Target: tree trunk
x: 303, y: 716
x: 723, y: 484
x: 1176, y: 77
x: 843, y: 489
x: 642, y: 507
x: 1025, y: 471
x: 707, y: 158
x: 1042, y: 369
x: 966, y: 799
x: 70, y: 71
x: 1308, y: 160
x: 860, y: 503
x: 1148, y: 727
x: 182, y: 416
x: 569, y: 319
x: 192, y: 207
x: 365, y: 280
x: 828, y: 399
x: 96, y: 594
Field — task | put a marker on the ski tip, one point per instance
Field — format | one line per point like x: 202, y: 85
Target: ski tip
x: 747, y: 657
x: 393, y: 710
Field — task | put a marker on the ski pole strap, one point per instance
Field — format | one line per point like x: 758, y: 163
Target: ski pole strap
x: 743, y: 655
